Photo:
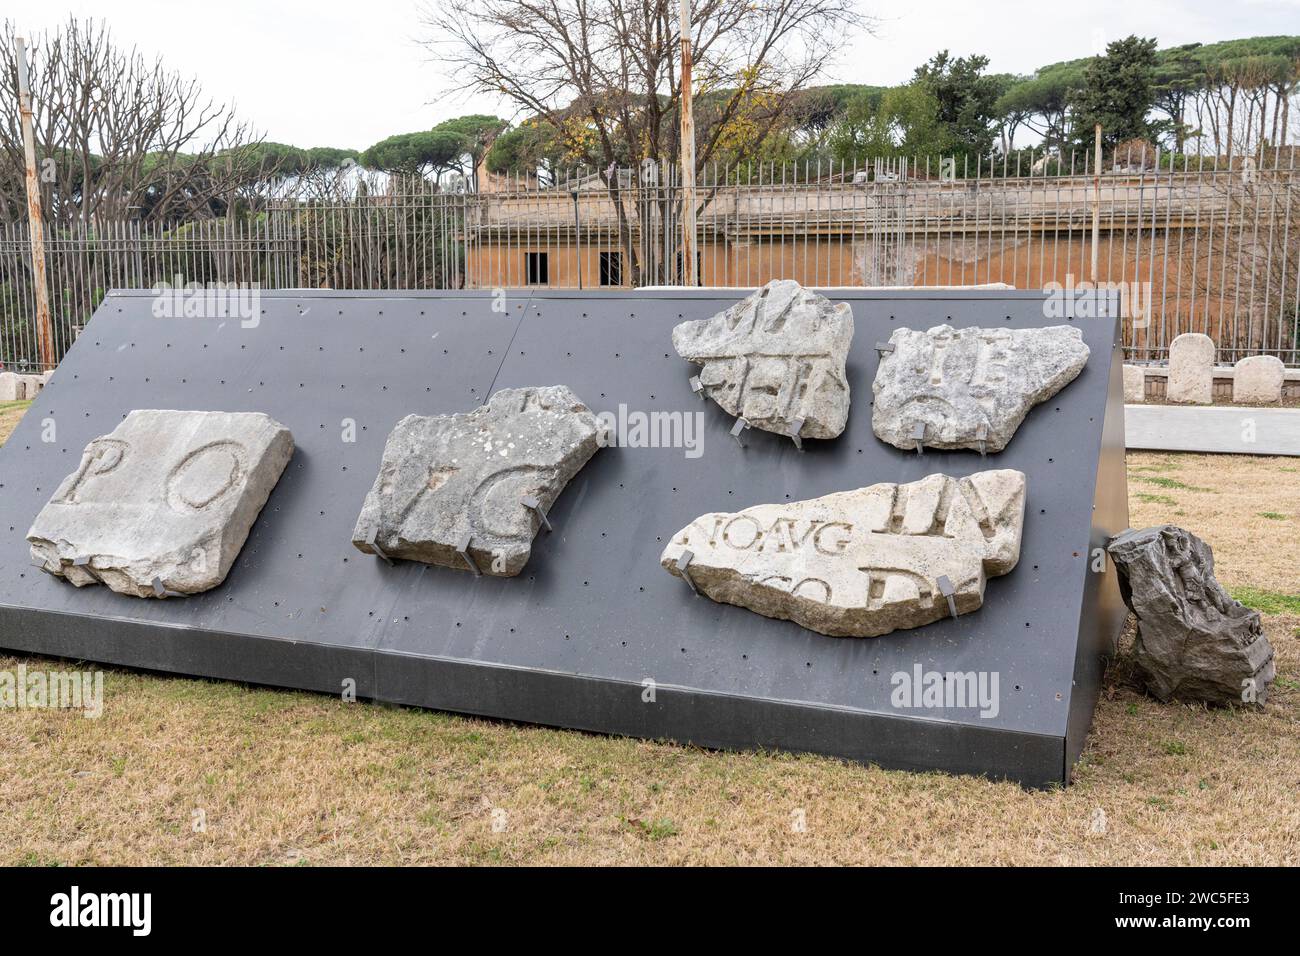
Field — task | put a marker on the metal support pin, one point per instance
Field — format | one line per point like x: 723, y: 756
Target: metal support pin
x: 683, y: 568
x: 697, y: 386
x: 945, y: 588
x: 738, y: 429
x: 535, y: 506
x: 982, y: 436
x: 918, y: 432
x: 796, y: 427
x: 883, y: 349
x: 371, y: 540
x: 463, y: 550
x: 42, y: 564
x: 81, y: 560
x: 160, y: 590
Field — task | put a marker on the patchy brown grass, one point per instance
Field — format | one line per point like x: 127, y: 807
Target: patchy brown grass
x: 281, y: 777
x: 10, y: 413
x: 1247, y: 508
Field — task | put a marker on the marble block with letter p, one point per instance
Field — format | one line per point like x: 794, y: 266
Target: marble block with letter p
x: 163, y: 504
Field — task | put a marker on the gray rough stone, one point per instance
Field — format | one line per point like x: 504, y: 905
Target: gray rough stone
x: 12, y: 388
x: 31, y: 385
x: 168, y: 495
x: 1135, y: 384
x: 17, y: 388
x: 1191, y: 369
x: 775, y: 358
x: 953, y: 381
x: 1194, y: 642
x: 445, y: 477
x: 860, y: 563
x: 1258, y: 380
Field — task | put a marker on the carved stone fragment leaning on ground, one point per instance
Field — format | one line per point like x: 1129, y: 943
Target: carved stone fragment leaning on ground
x: 776, y: 359
x: 1194, y: 642
x: 470, y: 491
x: 860, y: 563
x: 164, y: 503
x: 960, y: 384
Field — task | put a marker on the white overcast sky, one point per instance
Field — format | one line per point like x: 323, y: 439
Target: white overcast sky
x: 340, y: 73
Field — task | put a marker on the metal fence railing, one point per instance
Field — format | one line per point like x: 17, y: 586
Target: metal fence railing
x: 84, y: 261
x: 1193, y: 244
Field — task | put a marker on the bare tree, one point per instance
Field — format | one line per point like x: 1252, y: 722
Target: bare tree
x: 605, y: 73
x: 118, y: 136
x: 1246, y: 262
x: 1233, y: 105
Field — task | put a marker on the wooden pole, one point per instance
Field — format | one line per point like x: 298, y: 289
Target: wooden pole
x: 688, y: 153
x: 44, y: 331
x: 1096, y: 200
x: 577, y: 235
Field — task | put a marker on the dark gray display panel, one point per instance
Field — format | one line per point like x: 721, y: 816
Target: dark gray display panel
x: 573, y: 639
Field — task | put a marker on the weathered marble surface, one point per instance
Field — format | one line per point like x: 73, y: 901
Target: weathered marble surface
x: 17, y: 388
x: 167, y: 497
x: 860, y: 563
x: 1194, y: 641
x: 776, y: 358
x: 1191, y: 369
x: 955, y: 382
x: 12, y: 387
x: 446, y: 477
x: 1257, y: 380
x: 1135, y: 385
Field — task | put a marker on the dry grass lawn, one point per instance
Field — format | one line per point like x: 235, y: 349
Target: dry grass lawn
x: 10, y: 413
x: 192, y: 771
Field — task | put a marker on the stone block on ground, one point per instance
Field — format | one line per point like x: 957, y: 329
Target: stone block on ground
x: 1258, y: 380
x: 1191, y: 370
x: 776, y: 359
x: 1135, y: 385
x: 1194, y: 642
x: 451, y: 479
x: 12, y: 388
x: 956, y: 382
x: 31, y: 385
x: 167, y: 497
x: 860, y: 563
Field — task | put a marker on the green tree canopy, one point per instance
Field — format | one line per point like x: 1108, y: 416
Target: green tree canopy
x: 903, y: 121
x: 965, y: 97
x: 1179, y: 73
x: 532, y: 145
x: 456, y: 144
x: 1118, y: 91
x: 415, y: 153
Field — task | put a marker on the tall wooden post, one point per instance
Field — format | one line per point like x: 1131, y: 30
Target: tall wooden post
x: 688, y: 153
x: 1096, y: 201
x: 44, y: 331
x: 577, y: 235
